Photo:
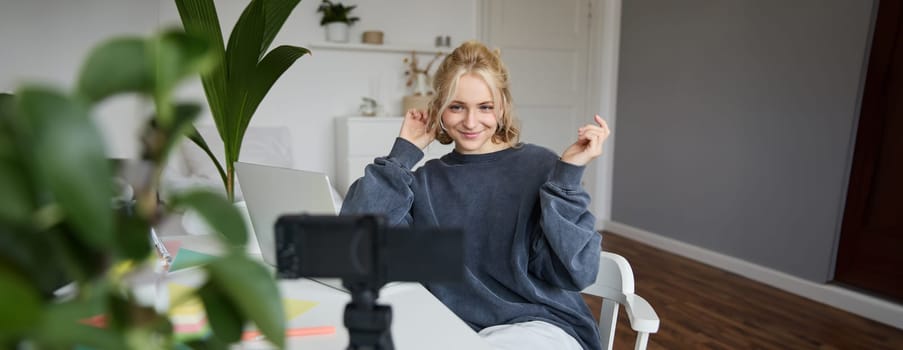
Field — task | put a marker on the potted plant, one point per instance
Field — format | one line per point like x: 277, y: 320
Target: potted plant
x: 244, y: 71
x: 336, y: 20
x: 57, y: 223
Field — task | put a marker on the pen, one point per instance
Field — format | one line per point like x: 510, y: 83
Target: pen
x: 161, y: 249
x: 292, y: 332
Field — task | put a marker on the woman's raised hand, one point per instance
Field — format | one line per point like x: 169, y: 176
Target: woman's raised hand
x: 589, y: 143
x: 414, y: 129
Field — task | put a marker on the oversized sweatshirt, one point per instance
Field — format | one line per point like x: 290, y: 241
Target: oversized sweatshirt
x: 529, y: 239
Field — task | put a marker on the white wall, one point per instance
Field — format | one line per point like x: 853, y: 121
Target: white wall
x: 46, y: 41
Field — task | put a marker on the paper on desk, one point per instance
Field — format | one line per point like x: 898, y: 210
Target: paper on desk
x: 172, y: 246
x: 294, y: 308
x: 186, y: 258
x: 189, y: 321
x: 189, y: 318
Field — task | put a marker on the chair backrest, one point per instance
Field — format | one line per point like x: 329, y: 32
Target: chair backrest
x: 614, y: 283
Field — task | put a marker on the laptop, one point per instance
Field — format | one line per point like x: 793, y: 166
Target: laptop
x: 271, y: 192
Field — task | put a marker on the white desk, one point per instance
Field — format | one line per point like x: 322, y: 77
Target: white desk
x: 420, y: 321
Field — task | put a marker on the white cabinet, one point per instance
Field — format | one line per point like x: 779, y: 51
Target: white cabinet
x: 361, y: 139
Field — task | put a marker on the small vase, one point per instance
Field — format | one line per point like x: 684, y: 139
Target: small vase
x: 337, y: 32
x: 421, y: 84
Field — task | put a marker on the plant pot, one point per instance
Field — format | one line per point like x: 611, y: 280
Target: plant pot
x: 337, y: 32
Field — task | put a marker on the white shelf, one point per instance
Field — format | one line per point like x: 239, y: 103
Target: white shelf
x: 379, y: 48
x: 374, y: 117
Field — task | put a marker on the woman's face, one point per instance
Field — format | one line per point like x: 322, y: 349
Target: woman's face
x: 470, y: 119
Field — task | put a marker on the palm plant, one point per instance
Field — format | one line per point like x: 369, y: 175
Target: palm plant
x: 245, y: 71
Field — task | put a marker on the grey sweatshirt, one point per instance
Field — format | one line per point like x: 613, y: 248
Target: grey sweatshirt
x: 529, y: 239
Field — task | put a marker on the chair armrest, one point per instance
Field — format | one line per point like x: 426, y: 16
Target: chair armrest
x: 611, y: 265
x: 641, y: 315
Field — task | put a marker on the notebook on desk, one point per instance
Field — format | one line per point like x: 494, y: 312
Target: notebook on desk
x: 271, y: 192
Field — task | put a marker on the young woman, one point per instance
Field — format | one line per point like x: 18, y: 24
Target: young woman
x: 530, y: 244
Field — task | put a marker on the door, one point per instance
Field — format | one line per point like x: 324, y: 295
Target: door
x: 870, y: 255
x: 545, y: 46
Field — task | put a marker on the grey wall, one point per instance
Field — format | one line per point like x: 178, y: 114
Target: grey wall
x: 734, y: 124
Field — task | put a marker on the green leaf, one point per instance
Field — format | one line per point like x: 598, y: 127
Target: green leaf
x: 16, y: 178
x: 116, y: 66
x: 195, y: 137
x: 242, y: 56
x: 32, y: 254
x: 60, y: 327
x: 253, y: 290
x: 218, y: 212
x: 225, y: 319
x: 69, y: 155
x: 161, y: 137
x: 20, y: 302
x: 118, y: 312
x: 209, y: 343
x: 244, y: 48
x: 177, y: 55
x: 185, y: 114
x: 12, y: 130
x: 277, y: 11
x: 80, y: 261
x: 132, y: 236
x: 17, y: 203
x: 7, y: 107
x: 199, y: 18
x: 196, y: 345
x: 273, y: 65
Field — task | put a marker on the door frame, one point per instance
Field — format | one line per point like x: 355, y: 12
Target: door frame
x: 602, y: 92
x: 886, y: 18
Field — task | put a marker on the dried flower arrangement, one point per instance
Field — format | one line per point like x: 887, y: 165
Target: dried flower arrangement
x: 418, y: 78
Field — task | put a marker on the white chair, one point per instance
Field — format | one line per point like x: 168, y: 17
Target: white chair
x: 614, y: 284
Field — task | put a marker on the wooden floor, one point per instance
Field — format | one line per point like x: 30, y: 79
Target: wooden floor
x: 702, y: 307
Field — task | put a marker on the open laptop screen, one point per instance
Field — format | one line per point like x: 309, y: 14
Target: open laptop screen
x: 271, y: 192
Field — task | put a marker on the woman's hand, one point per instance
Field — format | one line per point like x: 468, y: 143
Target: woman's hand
x: 588, y: 145
x: 414, y: 129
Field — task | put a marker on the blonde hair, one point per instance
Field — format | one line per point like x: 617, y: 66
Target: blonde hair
x: 472, y: 57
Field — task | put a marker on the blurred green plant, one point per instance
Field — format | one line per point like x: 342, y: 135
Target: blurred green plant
x: 244, y: 71
x: 57, y: 224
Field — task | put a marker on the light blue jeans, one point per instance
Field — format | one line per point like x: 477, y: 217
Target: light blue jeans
x: 537, y: 335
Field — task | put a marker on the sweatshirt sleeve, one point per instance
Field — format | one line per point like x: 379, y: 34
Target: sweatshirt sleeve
x: 385, y: 187
x: 566, y: 251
